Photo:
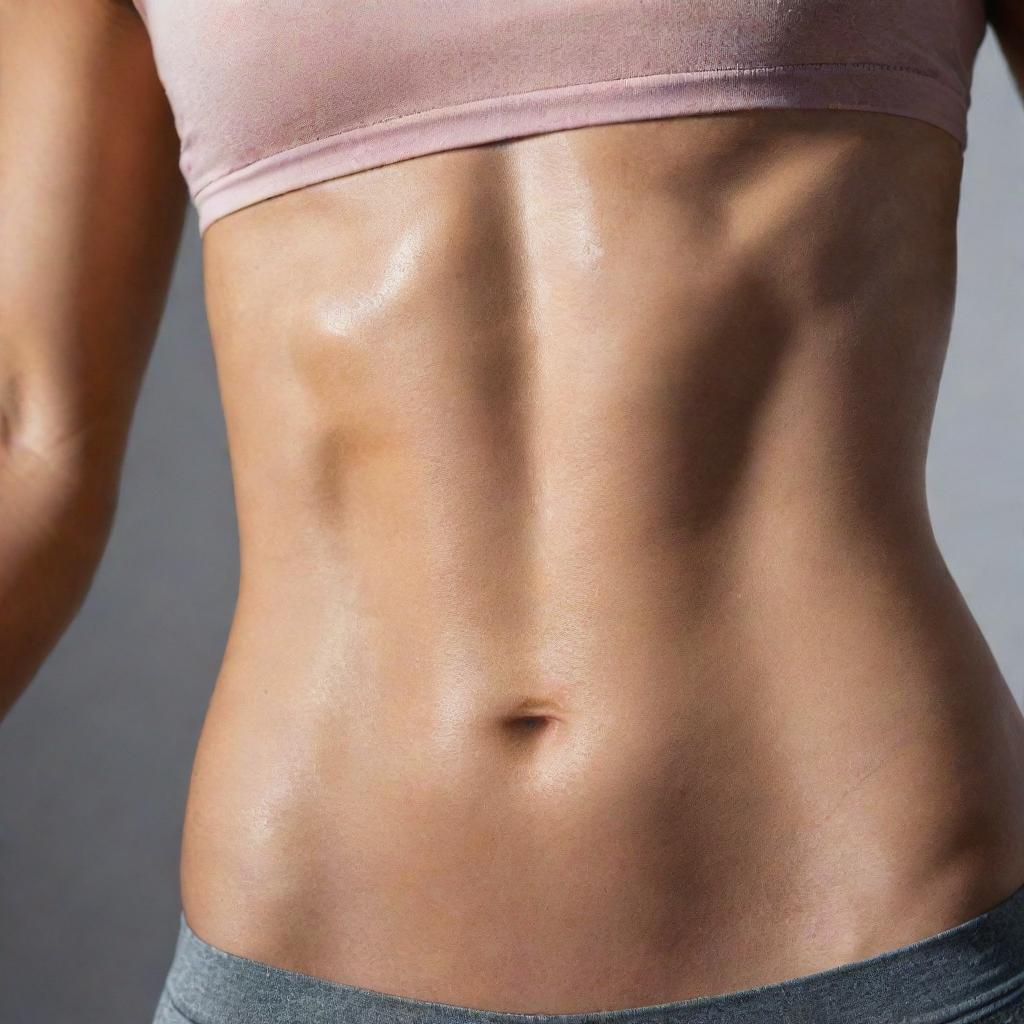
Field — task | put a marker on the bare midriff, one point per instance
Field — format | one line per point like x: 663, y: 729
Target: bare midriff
x: 593, y: 646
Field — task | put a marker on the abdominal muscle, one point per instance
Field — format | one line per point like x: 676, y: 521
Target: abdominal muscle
x: 593, y: 648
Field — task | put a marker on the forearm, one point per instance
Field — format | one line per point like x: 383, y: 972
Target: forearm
x: 55, y: 518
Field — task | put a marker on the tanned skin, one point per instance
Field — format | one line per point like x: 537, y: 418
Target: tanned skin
x: 593, y: 647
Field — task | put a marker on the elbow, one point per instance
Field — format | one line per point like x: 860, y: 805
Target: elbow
x: 58, y: 469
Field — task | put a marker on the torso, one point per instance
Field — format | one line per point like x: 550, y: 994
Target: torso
x: 593, y: 648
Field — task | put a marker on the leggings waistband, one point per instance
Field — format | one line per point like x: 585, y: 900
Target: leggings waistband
x: 973, y: 972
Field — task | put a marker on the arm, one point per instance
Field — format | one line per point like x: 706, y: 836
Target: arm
x: 91, y: 211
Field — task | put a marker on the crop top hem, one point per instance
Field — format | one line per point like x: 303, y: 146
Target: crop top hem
x: 882, y: 88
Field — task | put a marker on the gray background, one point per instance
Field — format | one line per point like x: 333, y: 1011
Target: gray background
x: 95, y: 758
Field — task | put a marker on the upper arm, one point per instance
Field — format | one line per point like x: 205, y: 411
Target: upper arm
x: 91, y: 209
x: 1007, y: 20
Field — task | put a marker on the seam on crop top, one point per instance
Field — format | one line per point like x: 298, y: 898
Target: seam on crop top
x: 833, y: 66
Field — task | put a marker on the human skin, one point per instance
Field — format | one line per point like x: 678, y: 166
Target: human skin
x: 593, y: 647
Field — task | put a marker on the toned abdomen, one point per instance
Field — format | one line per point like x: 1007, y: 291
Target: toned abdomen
x: 593, y: 648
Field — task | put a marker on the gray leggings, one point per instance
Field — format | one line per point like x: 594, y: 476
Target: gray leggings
x: 973, y: 973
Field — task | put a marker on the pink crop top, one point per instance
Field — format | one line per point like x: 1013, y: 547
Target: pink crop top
x: 272, y: 95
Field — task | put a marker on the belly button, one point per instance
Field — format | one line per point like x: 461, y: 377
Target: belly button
x: 526, y: 725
